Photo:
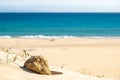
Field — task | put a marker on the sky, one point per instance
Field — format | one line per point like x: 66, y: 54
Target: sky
x: 59, y: 5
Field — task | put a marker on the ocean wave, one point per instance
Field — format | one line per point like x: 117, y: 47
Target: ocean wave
x: 5, y: 37
x: 42, y: 36
x: 54, y: 37
x: 46, y: 37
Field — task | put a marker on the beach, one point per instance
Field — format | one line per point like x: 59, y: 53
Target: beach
x: 98, y: 57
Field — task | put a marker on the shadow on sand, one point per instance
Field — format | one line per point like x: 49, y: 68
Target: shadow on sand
x: 53, y: 72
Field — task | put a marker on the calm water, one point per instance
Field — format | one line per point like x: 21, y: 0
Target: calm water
x: 60, y: 24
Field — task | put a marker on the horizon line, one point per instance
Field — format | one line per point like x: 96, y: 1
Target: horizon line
x: 60, y: 12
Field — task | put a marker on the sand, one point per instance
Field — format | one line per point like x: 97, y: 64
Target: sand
x: 76, y: 58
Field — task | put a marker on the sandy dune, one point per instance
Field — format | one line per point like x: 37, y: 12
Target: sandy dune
x: 12, y: 72
x: 78, y: 59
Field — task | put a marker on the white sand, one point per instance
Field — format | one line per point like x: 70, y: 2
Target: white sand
x: 93, y: 57
x: 12, y: 72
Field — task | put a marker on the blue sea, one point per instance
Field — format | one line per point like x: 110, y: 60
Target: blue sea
x: 41, y: 25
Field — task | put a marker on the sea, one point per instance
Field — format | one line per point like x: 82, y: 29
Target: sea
x: 60, y: 25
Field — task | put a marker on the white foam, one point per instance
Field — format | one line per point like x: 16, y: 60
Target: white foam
x: 5, y: 36
x: 49, y: 37
x: 42, y: 36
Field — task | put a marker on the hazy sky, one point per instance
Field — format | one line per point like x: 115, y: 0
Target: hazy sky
x: 59, y: 5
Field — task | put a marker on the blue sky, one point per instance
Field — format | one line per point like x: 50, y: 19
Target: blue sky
x: 59, y: 5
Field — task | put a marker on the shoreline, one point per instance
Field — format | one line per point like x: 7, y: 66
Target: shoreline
x: 59, y: 37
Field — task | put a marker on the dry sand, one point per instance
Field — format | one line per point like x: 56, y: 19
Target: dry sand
x: 74, y: 57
